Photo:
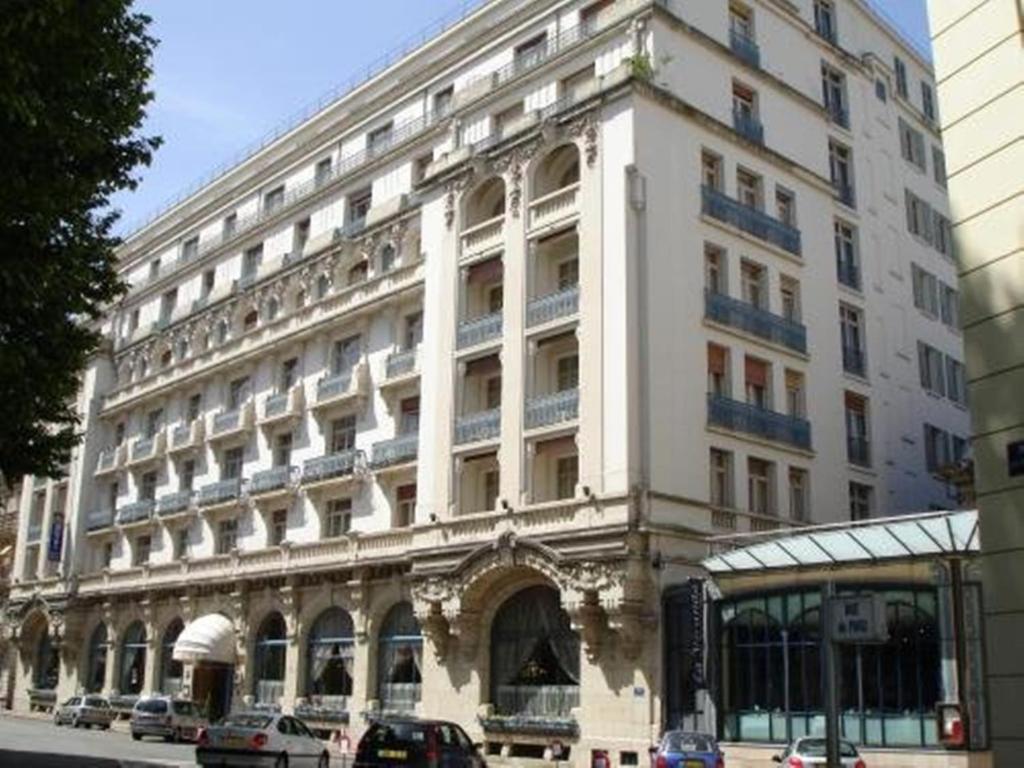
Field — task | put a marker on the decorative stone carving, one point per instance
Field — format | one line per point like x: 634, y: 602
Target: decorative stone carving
x: 584, y: 129
x: 452, y: 190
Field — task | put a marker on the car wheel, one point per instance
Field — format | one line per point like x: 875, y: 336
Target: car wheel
x: 136, y: 736
x: 282, y: 761
x: 325, y: 761
x: 74, y: 722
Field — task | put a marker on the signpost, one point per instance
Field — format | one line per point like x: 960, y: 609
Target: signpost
x: 848, y: 620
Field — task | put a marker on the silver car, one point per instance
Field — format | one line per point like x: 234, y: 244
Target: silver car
x: 85, y: 710
x: 261, y: 739
x: 810, y: 751
x: 172, y: 719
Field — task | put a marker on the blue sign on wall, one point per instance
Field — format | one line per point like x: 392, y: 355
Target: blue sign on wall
x: 56, y: 539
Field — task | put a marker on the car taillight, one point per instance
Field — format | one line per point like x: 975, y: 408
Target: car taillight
x: 796, y: 762
x: 860, y: 764
x: 203, y: 738
x: 432, y: 754
x: 259, y: 741
x: 661, y: 762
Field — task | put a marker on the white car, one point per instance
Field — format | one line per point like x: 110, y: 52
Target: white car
x: 171, y: 719
x: 261, y: 738
x: 810, y: 751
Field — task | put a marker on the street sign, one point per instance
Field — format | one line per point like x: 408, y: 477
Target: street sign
x: 56, y: 541
x: 857, y: 619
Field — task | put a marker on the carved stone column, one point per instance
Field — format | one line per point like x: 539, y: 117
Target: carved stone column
x: 150, y: 678
x: 243, y: 644
x: 294, y: 673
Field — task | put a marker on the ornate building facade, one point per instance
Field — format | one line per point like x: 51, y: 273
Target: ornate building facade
x: 427, y: 404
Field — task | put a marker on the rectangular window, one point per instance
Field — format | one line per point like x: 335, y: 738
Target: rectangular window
x: 949, y: 306
x: 187, y: 475
x: 231, y: 463
x: 926, y: 291
x: 718, y: 373
x: 760, y: 486
x: 757, y: 382
x: 283, y: 449
x: 927, y: 101
x: 337, y: 518
x: 345, y: 354
x: 492, y: 483
x: 492, y: 395
x: 379, y: 138
x: 861, y: 501
x: 825, y: 19
x: 939, y: 166
x: 931, y: 368
x: 833, y: 86
x: 405, y: 505
x: 180, y: 543
x: 107, y: 554
x: 238, y: 392
x: 147, y: 487
x: 714, y: 269
x: 567, y: 471
x: 847, y: 258
x: 359, y: 204
x: 721, y: 478
x: 190, y: 249
x: 301, y: 236
x: 881, y: 91
x: 229, y: 225
x: 278, y: 527
x: 343, y: 434
x: 167, y: 304
x: 154, y: 269
x: 789, y: 296
x: 785, y: 206
x: 195, y: 403
x: 912, y: 146
x: 748, y: 188
x: 154, y: 420
x: 531, y: 52
x: 209, y: 276
x: 568, y: 372
x: 227, y: 536
x: 851, y: 334
x: 936, y: 448
x: 840, y: 161
x: 289, y: 373
x: 113, y: 490
x: 857, y: 430
x: 753, y: 278
x: 413, y: 330
x: 711, y: 170
x: 901, y: 76
x: 251, y: 260
x: 409, y: 416
x: 796, y: 404
x: 799, y: 497
x: 323, y: 171
x: 274, y: 199
x: 956, y: 385
x: 133, y: 321
x: 443, y: 101
x: 942, y: 235
x: 143, y: 547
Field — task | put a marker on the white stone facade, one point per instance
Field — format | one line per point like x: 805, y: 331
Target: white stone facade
x: 449, y: 339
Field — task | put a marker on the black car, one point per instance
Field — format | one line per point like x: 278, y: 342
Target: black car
x: 410, y: 742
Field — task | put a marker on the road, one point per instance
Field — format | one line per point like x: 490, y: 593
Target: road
x: 28, y: 743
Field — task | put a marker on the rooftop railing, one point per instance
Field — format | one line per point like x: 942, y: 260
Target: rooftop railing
x: 761, y: 422
x: 760, y: 322
x: 752, y: 221
x: 483, y: 425
x: 398, y: 450
x: 555, y: 408
x: 332, y: 465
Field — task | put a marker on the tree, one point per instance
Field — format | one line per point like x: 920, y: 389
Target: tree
x: 73, y: 93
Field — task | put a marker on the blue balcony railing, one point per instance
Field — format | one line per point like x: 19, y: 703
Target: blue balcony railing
x: 479, y: 330
x: 746, y: 317
x: 273, y: 479
x: 220, y: 492
x: 136, y: 511
x: 854, y: 360
x: 552, y: 409
x: 401, y: 363
x: 143, y: 448
x: 754, y: 420
x: 744, y: 46
x: 748, y: 126
x: 275, y: 405
x: 750, y: 220
x: 333, y: 465
x: 553, y: 306
x: 226, y: 421
x: 396, y: 451
x: 98, y: 519
x: 483, y: 425
x: 173, y: 503
x: 333, y: 386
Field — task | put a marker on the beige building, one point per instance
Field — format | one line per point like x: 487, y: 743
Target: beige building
x: 979, y: 55
x: 432, y: 403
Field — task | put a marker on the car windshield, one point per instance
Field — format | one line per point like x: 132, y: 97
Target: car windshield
x: 95, y: 701
x: 816, y: 748
x: 688, y: 742
x: 391, y: 733
x: 183, y: 708
x: 153, y: 706
x: 255, y: 720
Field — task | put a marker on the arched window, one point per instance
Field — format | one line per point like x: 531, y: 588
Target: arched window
x: 535, y: 656
x: 96, y: 672
x: 133, y: 660
x: 269, y: 662
x: 170, y: 670
x: 486, y: 202
x: 399, y: 658
x: 558, y: 170
x: 329, y: 659
x: 47, y: 668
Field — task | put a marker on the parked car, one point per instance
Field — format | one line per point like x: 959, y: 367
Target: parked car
x: 172, y: 719
x: 683, y: 749
x: 84, y: 710
x: 413, y: 742
x: 810, y: 751
x: 261, y: 738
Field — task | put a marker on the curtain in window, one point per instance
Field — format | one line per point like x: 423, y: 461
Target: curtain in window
x: 399, y: 659
x: 330, y: 654
x: 133, y: 659
x: 269, y: 662
x: 97, y: 669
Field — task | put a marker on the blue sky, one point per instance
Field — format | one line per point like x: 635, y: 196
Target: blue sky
x: 228, y: 72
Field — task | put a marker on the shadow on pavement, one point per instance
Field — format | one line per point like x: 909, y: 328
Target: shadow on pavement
x: 43, y: 760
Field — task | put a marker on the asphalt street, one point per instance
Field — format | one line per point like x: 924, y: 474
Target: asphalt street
x: 29, y: 743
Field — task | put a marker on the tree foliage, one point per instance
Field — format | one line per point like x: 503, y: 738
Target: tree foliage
x: 73, y: 93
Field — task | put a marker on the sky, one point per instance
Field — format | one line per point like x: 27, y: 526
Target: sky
x: 228, y: 72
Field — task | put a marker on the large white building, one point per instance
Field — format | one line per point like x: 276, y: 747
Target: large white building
x: 427, y: 404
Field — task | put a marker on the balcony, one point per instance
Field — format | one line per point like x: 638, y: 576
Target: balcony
x: 858, y: 451
x: 554, y: 306
x: 855, y: 361
x: 743, y: 316
x: 545, y: 410
x: 187, y: 436
x: 402, y: 365
x: 750, y: 220
x: 484, y: 425
x: 745, y: 48
x: 342, y: 387
x: 147, y: 449
x: 271, y: 481
x: 137, y: 512
x: 848, y: 274
x: 99, y: 520
x: 399, y: 450
x: 838, y: 114
x: 483, y: 237
x: 110, y: 459
x: 748, y: 126
x: 174, y: 503
x: 750, y: 419
x: 479, y: 330
x: 555, y: 206
x: 843, y: 192
x: 223, y: 492
x: 334, y: 466
x: 283, y: 406
x: 232, y: 422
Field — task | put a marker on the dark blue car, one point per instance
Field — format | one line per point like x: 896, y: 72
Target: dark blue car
x: 681, y: 749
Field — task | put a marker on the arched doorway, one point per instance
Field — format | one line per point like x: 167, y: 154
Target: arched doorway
x: 329, y: 653
x: 207, y: 644
x: 535, y: 656
x: 399, y: 660
x: 46, y: 666
x: 133, y: 660
x: 268, y: 668
x: 96, y: 669
x: 171, y: 670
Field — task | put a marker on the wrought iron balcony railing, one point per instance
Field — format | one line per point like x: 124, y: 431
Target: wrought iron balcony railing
x: 273, y: 479
x: 136, y: 511
x: 748, y: 126
x: 761, y: 422
x: 855, y: 360
x: 838, y: 114
x: 333, y: 386
x: 744, y: 46
x: 400, y: 363
x: 746, y: 317
x: 479, y: 330
x: 395, y: 451
x: 844, y: 193
x: 173, y: 503
x: 553, y: 306
x: 98, y: 519
x: 483, y: 425
x: 332, y: 465
x: 752, y: 221
x: 550, y: 409
x: 220, y: 492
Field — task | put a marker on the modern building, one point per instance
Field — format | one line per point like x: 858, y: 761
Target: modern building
x: 980, y: 64
x: 429, y: 403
